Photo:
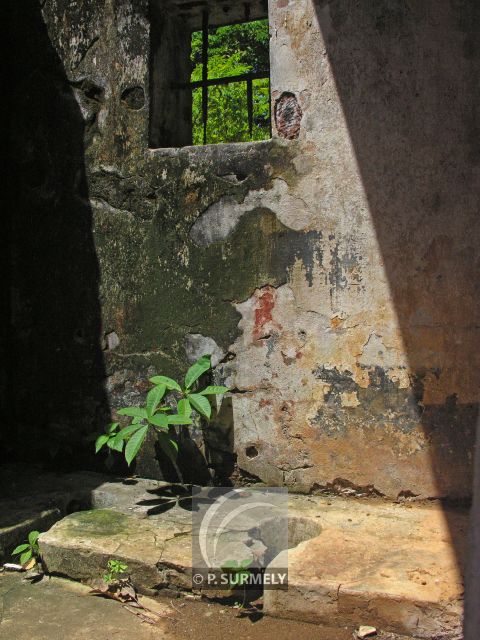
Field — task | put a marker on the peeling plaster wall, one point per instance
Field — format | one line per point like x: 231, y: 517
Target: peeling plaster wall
x: 332, y: 269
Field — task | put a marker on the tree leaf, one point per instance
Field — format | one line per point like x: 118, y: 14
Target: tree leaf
x: 33, y: 537
x: 116, y: 445
x: 168, y: 382
x: 100, y: 441
x: 124, y: 434
x: 201, y: 365
x: 134, y: 444
x: 20, y: 549
x: 213, y: 390
x: 154, y: 398
x: 168, y: 446
x: 111, y: 427
x: 178, y: 419
x: 159, y: 420
x: 201, y: 404
x: 184, y: 407
x: 134, y: 412
x: 25, y: 557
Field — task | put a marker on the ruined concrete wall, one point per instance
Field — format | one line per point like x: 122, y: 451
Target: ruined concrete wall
x: 333, y: 267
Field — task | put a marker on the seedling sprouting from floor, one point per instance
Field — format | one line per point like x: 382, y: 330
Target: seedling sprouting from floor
x: 29, y: 552
x: 239, y: 571
x: 118, y: 586
x: 159, y: 416
x: 116, y: 570
x: 238, y: 576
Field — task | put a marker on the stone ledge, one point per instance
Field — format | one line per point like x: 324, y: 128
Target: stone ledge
x: 391, y: 566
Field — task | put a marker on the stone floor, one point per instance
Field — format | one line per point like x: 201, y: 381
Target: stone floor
x: 394, y: 566
x: 57, y: 609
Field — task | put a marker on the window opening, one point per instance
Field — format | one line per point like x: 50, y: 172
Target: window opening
x: 225, y: 93
x: 230, y: 82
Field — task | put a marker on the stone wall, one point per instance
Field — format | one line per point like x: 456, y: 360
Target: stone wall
x: 332, y: 270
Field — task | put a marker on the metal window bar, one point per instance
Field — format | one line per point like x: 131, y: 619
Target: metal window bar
x: 205, y: 82
x: 205, y: 74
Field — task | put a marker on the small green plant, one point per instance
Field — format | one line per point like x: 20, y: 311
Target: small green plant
x: 28, y: 551
x: 238, y: 570
x: 239, y: 573
x: 115, y: 569
x: 160, y: 416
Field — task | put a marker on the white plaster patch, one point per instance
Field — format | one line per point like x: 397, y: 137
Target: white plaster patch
x: 220, y: 218
x: 197, y: 346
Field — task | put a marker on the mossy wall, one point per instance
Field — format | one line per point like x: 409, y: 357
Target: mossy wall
x: 331, y: 269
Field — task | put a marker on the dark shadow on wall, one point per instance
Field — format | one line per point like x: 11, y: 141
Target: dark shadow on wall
x: 56, y: 395
x: 407, y: 79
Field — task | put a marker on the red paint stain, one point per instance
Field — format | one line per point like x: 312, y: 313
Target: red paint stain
x: 263, y: 312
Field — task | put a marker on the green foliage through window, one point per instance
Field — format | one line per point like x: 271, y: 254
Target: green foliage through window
x: 232, y: 51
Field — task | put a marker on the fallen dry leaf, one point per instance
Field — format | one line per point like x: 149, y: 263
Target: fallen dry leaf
x: 124, y: 592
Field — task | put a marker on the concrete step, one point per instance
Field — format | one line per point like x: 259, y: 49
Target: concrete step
x: 33, y: 500
x: 392, y: 566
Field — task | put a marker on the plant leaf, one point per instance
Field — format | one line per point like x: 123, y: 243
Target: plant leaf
x: 168, y: 382
x: 134, y: 444
x: 20, y: 549
x: 159, y: 420
x: 168, y: 446
x: 184, y: 407
x: 126, y: 432
x: 201, y: 404
x: 179, y: 419
x: 134, y: 412
x: 154, y: 397
x: 213, y: 390
x: 111, y: 427
x: 116, y: 445
x: 100, y: 441
x: 25, y: 557
x: 201, y: 365
x: 33, y: 537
